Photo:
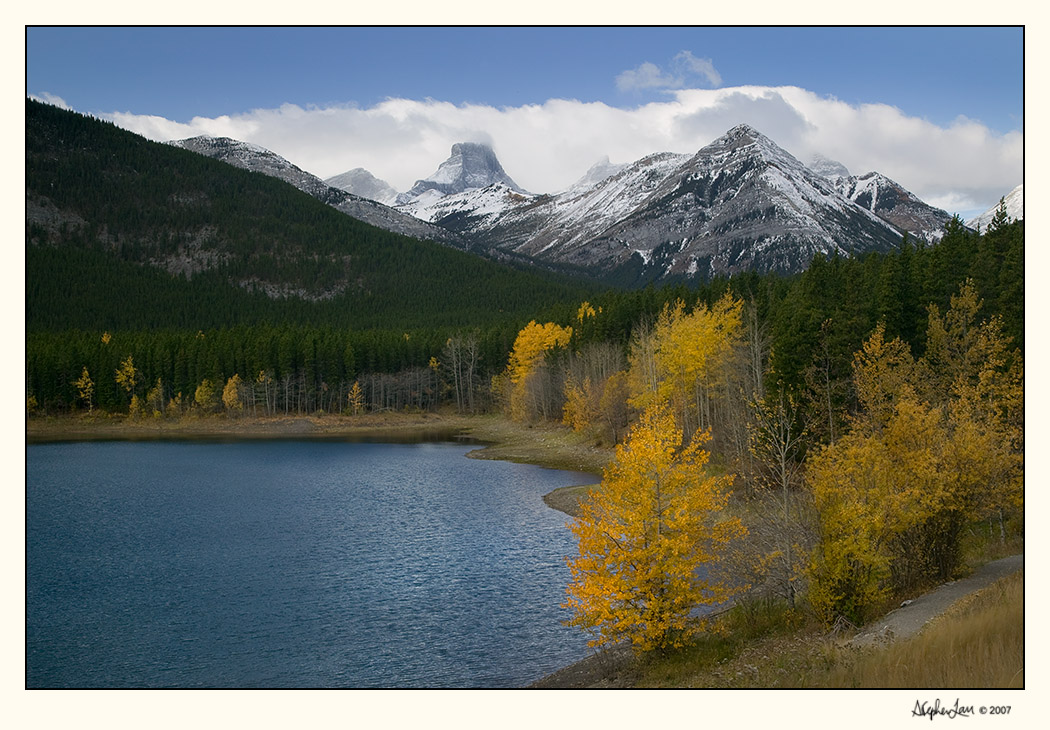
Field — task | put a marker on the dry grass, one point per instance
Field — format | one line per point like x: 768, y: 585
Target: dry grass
x: 978, y: 643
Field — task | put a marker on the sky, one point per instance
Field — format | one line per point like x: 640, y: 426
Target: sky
x: 939, y: 110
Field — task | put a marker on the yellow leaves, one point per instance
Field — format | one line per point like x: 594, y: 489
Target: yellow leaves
x: 530, y: 347
x: 231, y: 393
x: 127, y: 375
x: 883, y: 372
x: 644, y: 536
x: 685, y: 357
x: 204, y: 395
x: 85, y: 388
x: 106, y: 337
x: 356, y: 398
x: 531, y: 344
x: 934, y: 449
x: 586, y: 311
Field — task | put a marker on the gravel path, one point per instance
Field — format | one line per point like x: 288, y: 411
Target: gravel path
x: 907, y: 620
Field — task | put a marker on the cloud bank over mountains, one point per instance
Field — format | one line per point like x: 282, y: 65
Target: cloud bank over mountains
x: 546, y: 147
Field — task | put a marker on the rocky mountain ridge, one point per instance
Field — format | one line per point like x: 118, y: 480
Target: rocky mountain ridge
x: 740, y: 203
x: 259, y: 159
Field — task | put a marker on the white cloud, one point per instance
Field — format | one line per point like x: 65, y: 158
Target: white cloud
x: 646, y: 76
x: 690, y: 64
x: 685, y: 67
x: 546, y: 147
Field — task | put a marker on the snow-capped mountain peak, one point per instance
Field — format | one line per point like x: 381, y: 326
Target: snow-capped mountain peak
x: 470, y: 166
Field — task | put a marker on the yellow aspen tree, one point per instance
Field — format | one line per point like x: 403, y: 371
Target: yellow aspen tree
x: 684, y: 359
x: 86, y: 389
x: 155, y: 399
x: 875, y: 493
x: 127, y: 375
x: 577, y: 412
x: 883, y: 373
x: 531, y: 345
x: 645, y: 536
x: 231, y: 394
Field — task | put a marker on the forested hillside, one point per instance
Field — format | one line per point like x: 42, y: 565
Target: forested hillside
x: 126, y: 233
x: 801, y: 329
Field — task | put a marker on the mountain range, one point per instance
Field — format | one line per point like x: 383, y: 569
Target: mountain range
x: 741, y: 203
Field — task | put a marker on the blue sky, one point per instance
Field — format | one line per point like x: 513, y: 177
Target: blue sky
x: 179, y: 73
x: 940, y: 77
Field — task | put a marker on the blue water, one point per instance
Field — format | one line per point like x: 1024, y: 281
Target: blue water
x: 292, y: 564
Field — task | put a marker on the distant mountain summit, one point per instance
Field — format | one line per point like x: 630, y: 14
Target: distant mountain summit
x: 364, y: 184
x: 471, y: 166
x: 742, y: 203
x: 828, y: 168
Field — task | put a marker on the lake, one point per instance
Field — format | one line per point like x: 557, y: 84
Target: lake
x: 286, y: 564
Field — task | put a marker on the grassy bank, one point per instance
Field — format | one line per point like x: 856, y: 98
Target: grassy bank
x: 547, y: 445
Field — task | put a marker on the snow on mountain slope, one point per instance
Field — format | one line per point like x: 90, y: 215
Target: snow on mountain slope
x: 598, y: 172
x: 891, y: 202
x: 740, y: 203
x: 1014, y: 208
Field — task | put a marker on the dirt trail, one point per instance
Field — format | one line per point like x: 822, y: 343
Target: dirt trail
x: 909, y: 619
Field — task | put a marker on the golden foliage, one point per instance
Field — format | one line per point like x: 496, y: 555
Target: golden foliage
x: 231, y: 393
x: 530, y: 347
x: 685, y: 358
x: 86, y: 389
x: 938, y: 445
x: 645, y: 536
